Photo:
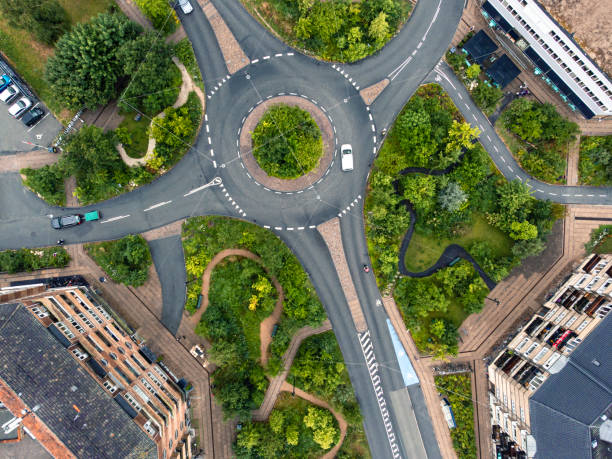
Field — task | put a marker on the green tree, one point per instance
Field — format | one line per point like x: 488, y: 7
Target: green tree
x: 528, y: 247
x: 452, y: 197
x: 420, y: 190
x: 413, y: 130
x: 47, y: 20
x: 276, y: 421
x: 85, y: 69
x: 48, y: 182
x: 460, y: 136
x: 379, y: 29
x: 523, y: 231
x: 125, y: 260
x: 321, y: 422
x: 473, y: 71
x: 486, y: 96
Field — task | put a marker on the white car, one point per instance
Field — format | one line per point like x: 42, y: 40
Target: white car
x: 185, y: 6
x: 346, y: 155
x: 9, y: 93
x: 20, y: 107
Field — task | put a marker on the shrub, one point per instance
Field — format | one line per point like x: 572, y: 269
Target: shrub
x: 125, y: 260
x: 160, y: 13
x: 48, y: 182
x: 47, y: 20
x: 26, y: 260
x: 287, y: 142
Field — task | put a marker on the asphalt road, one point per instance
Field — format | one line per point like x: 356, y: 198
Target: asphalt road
x: 211, y: 180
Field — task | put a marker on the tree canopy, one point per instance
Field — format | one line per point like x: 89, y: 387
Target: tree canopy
x: 86, y: 68
x: 126, y: 260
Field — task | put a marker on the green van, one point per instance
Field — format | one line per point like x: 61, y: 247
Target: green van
x: 91, y: 216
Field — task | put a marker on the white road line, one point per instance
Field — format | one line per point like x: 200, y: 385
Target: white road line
x: 266, y: 226
x: 289, y: 54
x: 278, y: 228
x: 290, y: 228
x: 254, y: 61
x: 552, y: 194
x: 419, y: 45
x: 503, y: 159
x: 300, y: 228
x: 495, y: 148
x: 460, y: 96
x: 115, y: 218
x: 489, y: 138
x: 266, y: 57
x: 312, y: 227
x: 278, y: 55
x: 466, y: 106
x: 541, y: 191
x: 511, y: 170
x: 155, y: 206
x: 578, y: 195
x: 590, y: 195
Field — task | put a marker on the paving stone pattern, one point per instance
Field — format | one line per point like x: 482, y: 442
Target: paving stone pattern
x: 370, y: 93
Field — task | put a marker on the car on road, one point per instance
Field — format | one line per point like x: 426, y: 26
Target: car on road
x: 346, y: 156
x: 33, y: 116
x: 66, y: 221
x: 5, y: 80
x: 20, y: 107
x: 185, y: 6
x: 9, y: 93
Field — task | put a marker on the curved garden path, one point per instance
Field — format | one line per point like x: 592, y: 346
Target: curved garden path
x: 450, y: 253
x: 286, y: 387
x: 266, y: 326
x: 276, y: 383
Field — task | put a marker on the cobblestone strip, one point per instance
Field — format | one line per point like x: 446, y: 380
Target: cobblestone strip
x: 235, y: 59
x: 34, y: 159
x: 330, y: 230
x: 262, y: 413
x: 573, y: 155
x: 370, y: 93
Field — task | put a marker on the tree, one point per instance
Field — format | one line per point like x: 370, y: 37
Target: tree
x: 47, y: 20
x: 276, y: 420
x: 473, y: 71
x: 527, y: 248
x: 322, y: 425
x: 420, y: 190
x: 460, y: 135
x: 125, y: 260
x: 85, y: 69
x: 523, y: 231
x: 413, y: 130
x: 154, y: 79
x: 452, y: 197
x: 486, y: 95
x: 379, y: 29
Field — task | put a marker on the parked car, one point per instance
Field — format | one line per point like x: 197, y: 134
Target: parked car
x: 185, y: 6
x: 9, y: 93
x: 19, y: 107
x: 66, y: 221
x: 33, y: 116
x: 346, y: 154
x: 5, y: 80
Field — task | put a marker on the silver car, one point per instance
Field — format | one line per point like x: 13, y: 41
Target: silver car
x: 9, y: 93
x: 185, y: 6
x: 20, y: 107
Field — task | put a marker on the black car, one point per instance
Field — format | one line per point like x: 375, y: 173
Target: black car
x: 66, y: 221
x: 33, y: 116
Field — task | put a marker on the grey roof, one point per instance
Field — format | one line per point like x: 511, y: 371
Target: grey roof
x: 36, y: 366
x: 569, y: 402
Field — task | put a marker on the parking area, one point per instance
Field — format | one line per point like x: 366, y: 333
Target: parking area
x: 15, y: 136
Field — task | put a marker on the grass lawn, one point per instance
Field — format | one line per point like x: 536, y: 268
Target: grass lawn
x: 139, y: 136
x: 424, y: 250
x: 28, y: 57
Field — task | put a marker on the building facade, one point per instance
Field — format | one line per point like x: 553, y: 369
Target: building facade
x: 556, y: 57
x: 542, y: 348
x: 122, y: 368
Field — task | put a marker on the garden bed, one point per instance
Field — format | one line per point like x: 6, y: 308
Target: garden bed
x: 595, y: 164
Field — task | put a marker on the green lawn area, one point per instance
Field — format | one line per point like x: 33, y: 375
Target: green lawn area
x: 138, y: 135
x: 28, y: 57
x: 424, y: 250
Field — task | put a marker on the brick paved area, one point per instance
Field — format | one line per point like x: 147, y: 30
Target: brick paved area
x: 572, y: 162
x: 235, y: 58
x: 246, y: 144
x: 370, y: 93
x: 33, y: 159
x: 330, y: 230
x: 276, y: 383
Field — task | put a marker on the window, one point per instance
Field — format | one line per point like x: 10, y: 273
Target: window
x: 113, y: 355
x: 540, y: 355
x: 85, y: 320
x: 132, y: 401
x: 513, y: 406
x: 40, y: 311
x: 522, y: 344
x: 531, y: 349
x: 131, y: 368
x: 79, y: 354
x: 65, y: 330
x: 111, y: 333
x: 148, y: 386
x: 110, y: 387
x: 128, y: 345
x: 170, y: 444
x: 160, y: 372
x: 151, y: 430
x: 505, y: 400
x: 76, y: 325
x: 121, y: 350
x: 560, y: 316
x: 522, y: 414
x: 154, y: 379
x: 570, y: 322
x: 582, y: 326
x: 175, y: 434
x: 104, y: 362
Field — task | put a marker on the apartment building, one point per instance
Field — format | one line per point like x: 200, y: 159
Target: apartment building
x: 543, y: 358
x: 555, y: 55
x: 81, y: 371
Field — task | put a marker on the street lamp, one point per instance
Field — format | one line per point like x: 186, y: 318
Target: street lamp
x: 494, y: 300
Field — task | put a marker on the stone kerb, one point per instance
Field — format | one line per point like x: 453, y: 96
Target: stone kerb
x: 246, y: 145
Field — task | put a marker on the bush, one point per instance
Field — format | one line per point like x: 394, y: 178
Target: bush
x: 47, y: 182
x: 486, y: 96
x: 546, y: 165
x: 47, y: 20
x: 26, y: 260
x: 595, y: 166
x: 174, y: 132
x: 160, y: 13
x: 184, y: 51
x: 458, y: 390
x: 287, y: 142
x: 125, y: 260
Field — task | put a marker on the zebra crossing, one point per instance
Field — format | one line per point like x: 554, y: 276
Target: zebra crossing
x: 368, y: 353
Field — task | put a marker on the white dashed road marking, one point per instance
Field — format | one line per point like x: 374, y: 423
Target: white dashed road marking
x: 155, y: 206
x: 115, y: 219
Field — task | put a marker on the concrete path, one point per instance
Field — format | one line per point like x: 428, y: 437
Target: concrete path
x: 33, y: 159
x: 342, y: 424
